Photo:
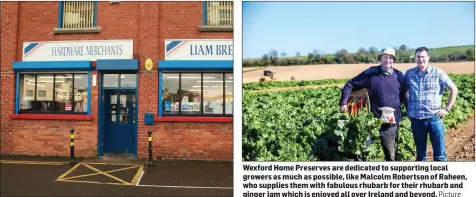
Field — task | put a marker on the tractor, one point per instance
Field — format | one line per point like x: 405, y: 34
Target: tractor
x: 268, y: 76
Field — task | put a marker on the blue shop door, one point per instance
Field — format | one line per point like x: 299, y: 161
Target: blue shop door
x: 120, y: 122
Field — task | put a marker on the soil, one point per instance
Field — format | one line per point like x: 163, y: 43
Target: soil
x: 459, y: 142
x: 340, y: 71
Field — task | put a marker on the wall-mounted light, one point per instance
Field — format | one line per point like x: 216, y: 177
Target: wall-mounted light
x: 114, y: 2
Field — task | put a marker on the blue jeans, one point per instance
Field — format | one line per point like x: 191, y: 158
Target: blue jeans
x: 433, y: 126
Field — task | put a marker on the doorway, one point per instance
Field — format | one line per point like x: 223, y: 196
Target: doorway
x: 120, y: 120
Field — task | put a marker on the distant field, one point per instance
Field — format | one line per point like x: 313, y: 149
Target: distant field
x: 436, y: 52
x: 248, y: 69
x: 341, y: 71
x: 450, y: 50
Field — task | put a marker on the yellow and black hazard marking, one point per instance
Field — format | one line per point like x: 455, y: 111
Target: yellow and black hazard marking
x: 103, y: 173
x: 32, y: 162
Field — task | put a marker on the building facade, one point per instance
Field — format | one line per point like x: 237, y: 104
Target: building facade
x: 114, y: 70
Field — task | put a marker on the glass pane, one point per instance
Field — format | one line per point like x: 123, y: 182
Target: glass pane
x: 229, y: 93
x: 44, y: 88
x: 213, y: 93
x: 123, y: 108
x: 63, y: 92
x: 190, y: 93
x: 170, y: 93
x: 110, y: 80
x: 113, y: 108
x: 27, y: 89
x: 129, y: 80
x: 80, y: 92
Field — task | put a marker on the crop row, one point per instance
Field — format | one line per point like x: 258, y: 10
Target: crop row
x: 306, y: 125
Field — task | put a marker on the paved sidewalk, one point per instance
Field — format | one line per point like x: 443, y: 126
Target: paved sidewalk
x: 55, y: 176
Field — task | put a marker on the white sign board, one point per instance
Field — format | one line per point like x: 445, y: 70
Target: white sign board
x: 91, y: 50
x: 200, y: 49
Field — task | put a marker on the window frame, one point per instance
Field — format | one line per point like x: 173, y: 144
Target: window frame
x: 201, y: 72
x: 60, y: 15
x: 205, y: 27
x: 17, y: 99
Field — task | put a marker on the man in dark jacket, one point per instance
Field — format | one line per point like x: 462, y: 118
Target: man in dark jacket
x: 384, y: 86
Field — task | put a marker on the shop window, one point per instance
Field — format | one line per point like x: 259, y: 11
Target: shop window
x: 170, y: 97
x: 228, y: 93
x: 190, y: 93
x: 77, y: 14
x: 64, y: 92
x: 219, y: 13
x: 27, y: 89
x: 197, y: 94
x: 213, y: 93
x: 80, y: 93
x: 54, y: 93
x: 44, y: 90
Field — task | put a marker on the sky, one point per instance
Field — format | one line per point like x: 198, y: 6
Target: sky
x: 293, y: 27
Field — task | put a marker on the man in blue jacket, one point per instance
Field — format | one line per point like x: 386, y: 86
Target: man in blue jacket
x: 384, y: 86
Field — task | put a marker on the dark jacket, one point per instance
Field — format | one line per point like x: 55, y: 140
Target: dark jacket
x: 384, y: 90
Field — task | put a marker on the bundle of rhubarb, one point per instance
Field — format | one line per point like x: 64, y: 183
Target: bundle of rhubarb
x: 357, y: 102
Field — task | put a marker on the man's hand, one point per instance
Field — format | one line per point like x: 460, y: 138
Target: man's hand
x: 343, y: 108
x: 441, y: 113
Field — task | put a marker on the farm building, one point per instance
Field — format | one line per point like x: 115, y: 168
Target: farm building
x: 114, y: 70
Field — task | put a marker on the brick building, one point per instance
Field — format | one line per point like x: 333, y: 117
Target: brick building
x: 114, y: 70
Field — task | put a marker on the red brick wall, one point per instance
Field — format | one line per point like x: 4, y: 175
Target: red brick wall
x: 148, y: 24
x: 177, y: 140
x: 9, y: 23
x: 180, y: 20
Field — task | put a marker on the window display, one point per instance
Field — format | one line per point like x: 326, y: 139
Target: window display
x: 197, y: 94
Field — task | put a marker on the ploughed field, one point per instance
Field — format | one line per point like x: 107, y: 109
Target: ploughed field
x: 341, y: 71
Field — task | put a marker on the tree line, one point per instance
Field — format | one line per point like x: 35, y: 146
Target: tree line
x: 363, y: 55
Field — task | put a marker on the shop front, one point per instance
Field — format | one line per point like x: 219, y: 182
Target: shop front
x: 194, y: 118
x: 100, y: 76
x: 57, y: 85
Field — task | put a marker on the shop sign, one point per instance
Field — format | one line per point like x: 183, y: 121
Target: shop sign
x: 91, y: 50
x: 200, y: 49
x: 67, y: 107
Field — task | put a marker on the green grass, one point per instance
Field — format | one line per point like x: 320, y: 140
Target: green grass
x: 450, y: 50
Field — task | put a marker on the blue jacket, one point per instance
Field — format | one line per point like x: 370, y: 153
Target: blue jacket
x: 384, y: 90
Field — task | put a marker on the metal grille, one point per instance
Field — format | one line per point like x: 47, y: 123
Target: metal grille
x: 219, y: 13
x: 78, y: 14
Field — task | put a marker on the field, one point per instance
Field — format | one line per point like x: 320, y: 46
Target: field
x: 304, y: 123
x: 340, y: 71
